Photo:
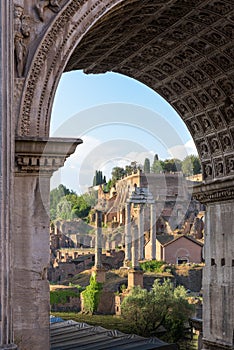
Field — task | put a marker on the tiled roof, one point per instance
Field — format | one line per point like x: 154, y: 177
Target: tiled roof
x: 168, y: 239
x: 68, y: 335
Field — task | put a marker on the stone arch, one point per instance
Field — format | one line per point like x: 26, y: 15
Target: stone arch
x: 182, y: 49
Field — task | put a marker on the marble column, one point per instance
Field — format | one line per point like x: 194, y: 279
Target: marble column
x: 6, y: 173
x: 218, y: 275
x: 36, y: 160
x: 141, y: 231
x: 135, y: 247
x: 128, y: 237
x: 153, y: 231
x: 98, y: 269
x: 98, y: 243
x: 135, y: 274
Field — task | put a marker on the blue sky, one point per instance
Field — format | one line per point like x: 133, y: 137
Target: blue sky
x: 119, y: 120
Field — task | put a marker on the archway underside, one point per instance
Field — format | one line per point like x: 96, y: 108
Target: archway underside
x: 182, y: 49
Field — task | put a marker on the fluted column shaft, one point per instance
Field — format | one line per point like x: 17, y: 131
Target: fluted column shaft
x: 128, y: 237
x: 141, y: 231
x: 153, y: 231
x: 98, y: 243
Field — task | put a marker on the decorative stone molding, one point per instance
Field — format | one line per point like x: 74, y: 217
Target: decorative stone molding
x: 220, y: 190
x: 42, y: 156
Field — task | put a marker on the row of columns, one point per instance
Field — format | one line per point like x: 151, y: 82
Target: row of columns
x: 134, y: 235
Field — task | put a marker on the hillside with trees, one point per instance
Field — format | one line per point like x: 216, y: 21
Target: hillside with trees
x: 65, y: 204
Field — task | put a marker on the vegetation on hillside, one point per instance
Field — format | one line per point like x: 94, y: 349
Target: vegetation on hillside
x: 65, y: 204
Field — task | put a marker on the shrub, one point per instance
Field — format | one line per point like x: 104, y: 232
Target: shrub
x: 146, y: 311
x: 152, y: 266
x: 91, y: 295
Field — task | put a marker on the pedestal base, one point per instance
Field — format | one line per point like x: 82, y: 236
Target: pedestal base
x: 135, y: 278
x: 100, y: 274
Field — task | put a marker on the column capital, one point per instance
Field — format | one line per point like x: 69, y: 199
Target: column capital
x: 217, y: 191
x: 42, y: 155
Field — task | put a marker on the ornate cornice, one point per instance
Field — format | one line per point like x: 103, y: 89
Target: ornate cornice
x: 216, y: 191
x: 42, y: 156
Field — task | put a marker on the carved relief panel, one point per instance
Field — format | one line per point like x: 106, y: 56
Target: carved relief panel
x: 21, y: 34
x: 42, y: 5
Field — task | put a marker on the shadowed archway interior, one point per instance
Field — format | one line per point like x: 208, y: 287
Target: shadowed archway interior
x: 182, y: 50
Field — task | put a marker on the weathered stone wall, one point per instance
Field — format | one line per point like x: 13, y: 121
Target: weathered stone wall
x: 189, y: 278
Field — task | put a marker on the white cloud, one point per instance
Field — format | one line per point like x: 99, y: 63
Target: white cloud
x: 182, y: 151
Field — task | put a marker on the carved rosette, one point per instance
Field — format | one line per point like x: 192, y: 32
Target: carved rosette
x: 42, y: 157
x: 221, y: 190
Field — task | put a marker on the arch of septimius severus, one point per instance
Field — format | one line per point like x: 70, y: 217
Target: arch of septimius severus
x: 182, y: 49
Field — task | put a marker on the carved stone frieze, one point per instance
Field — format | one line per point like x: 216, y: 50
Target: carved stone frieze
x: 221, y: 190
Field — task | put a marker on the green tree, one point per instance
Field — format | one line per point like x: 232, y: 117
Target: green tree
x: 163, y: 305
x: 55, y: 197
x: 64, y: 209
x: 117, y: 174
x: 81, y: 208
x: 129, y: 169
x: 191, y: 165
x: 98, y: 178
x: 147, y: 166
x: 172, y: 165
x: 157, y: 167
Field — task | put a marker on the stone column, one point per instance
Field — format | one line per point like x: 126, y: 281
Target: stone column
x: 135, y: 247
x: 128, y: 237
x: 98, y: 269
x: 135, y: 274
x: 141, y: 231
x: 218, y: 286
x: 6, y: 174
x: 98, y: 243
x: 36, y: 160
x: 153, y: 231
